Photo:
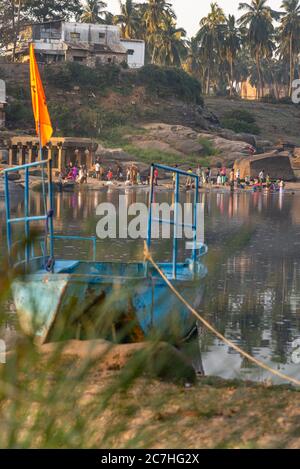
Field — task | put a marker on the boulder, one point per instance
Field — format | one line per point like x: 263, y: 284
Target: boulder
x: 276, y: 164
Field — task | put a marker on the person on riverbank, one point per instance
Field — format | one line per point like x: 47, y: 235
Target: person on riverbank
x: 199, y: 173
x: 110, y: 175
x: 174, y: 177
x: 81, y: 176
x: 188, y: 183
x: 238, y: 177
x: 281, y: 185
x: 119, y: 173
x: 261, y: 176
x: 155, y: 177
x: 223, y: 175
x: 219, y: 178
x: 231, y: 180
x: 97, y: 170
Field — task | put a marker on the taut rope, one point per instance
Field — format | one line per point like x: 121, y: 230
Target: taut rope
x: 212, y: 329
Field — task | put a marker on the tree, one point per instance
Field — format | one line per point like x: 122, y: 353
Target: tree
x: 129, y: 19
x: 210, y: 38
x: 193, y: 61
x: 47, y: 10
x: 94, y: 12
x: 232, y: 41
x: 11, y: 19
x: 289, y: 36
x: 169, y: 46
x: 258, y: 18
x: 156, y: 12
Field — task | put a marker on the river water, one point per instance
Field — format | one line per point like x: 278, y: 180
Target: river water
x: 252, y: 290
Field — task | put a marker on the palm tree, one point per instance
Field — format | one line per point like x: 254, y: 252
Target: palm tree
x: 193, y: 61
x: 170, y: 47
x: 93, y: 12
x: 129, y: 19
x: 210, y: 38
x: 156, y: 12
x: 232, y: 41
x: 258, y: 18
x: 289, y: 34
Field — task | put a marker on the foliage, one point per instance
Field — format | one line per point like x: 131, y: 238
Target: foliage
x: 169, y: 81
x: 239, y: 126
x: 17, y: 114
x: 240, y: 114
x: 208, y: 147
x: 47, y: 10
x: 72, y: 74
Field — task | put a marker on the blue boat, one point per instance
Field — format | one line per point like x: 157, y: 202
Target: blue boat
x: 58, y: 299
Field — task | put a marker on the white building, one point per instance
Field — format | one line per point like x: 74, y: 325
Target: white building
x: 91, y: 44
x: 135, y: 52
x: 2, y: 103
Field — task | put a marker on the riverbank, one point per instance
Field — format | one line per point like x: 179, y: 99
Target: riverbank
x: 121, y: 407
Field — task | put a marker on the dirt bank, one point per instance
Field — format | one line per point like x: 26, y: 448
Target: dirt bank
x: 89, y: 400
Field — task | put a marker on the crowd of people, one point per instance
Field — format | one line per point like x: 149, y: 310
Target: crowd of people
x: 233, y: 179
x: 132, y: 176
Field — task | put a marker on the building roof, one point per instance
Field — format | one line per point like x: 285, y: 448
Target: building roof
x: 64, y: 141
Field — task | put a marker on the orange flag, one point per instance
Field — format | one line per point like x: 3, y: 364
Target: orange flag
x: 41, y: 114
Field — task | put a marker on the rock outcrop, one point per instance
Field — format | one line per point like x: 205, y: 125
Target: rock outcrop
x: 276, y: 164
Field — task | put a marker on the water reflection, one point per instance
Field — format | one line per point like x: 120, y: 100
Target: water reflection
x: 253, y: 286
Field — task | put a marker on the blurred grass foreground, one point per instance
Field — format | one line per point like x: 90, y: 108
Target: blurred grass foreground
x: 100, y: 394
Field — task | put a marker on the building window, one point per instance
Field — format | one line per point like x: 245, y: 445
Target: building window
x: 75, y: 36
x: 101, y: 35
x: 78, y: 59
x: 109, y: 60
x: 130, y: 52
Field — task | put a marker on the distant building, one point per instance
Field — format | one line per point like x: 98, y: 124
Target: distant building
x: 90, y: 44
x: 2, y: 103
x: 249, y: 92
x: 135, y: 52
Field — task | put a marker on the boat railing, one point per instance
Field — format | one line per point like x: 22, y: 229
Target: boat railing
x: 176, y: 174
x: 49, y: 238
x: 27, y: 219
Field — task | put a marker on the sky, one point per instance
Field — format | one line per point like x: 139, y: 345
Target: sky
x: 189, y: 12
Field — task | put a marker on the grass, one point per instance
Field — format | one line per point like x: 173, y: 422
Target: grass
x: 120, y: 136
x: 209, y: 149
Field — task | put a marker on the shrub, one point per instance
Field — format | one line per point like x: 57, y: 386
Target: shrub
x: 240, y: 114
x: 239, y: 126
x: 18, y: 114
x: 170, y: 81
x: 208, y: 148
x: 72, y: 74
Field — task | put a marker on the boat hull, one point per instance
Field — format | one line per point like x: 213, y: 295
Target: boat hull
x: 86, y: 300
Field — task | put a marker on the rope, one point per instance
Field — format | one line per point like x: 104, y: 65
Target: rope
x: 213, y: 330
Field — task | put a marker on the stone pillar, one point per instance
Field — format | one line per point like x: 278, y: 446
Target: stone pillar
x: 30, y: 155
x: 10, y: 156
x: 63, y: 157
x: 20, y: 154
x: 49, y: 151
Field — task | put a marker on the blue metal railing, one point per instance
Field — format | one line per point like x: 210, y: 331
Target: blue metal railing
x: 27, y: 218
x: 176, y: 173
